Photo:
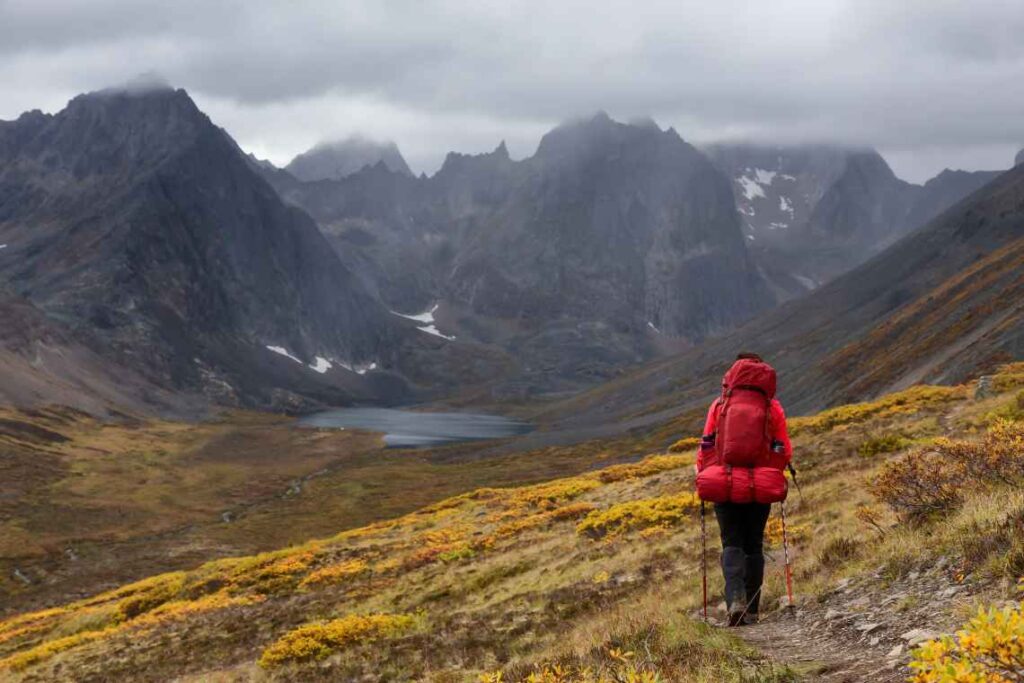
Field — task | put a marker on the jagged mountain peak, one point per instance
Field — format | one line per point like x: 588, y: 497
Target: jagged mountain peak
x: 579, y: 139
x: 334, y: 160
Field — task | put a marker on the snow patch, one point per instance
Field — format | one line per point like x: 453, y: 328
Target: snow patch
x: 778, y: 226
x: 750, y: 187
x: 425, y: 317
x: 764, y: 177
x: 751, y: 238
x: 321, y: 365
x: 284, y: 352
x: 652, y: 326
x: 785, y: 205
x: 358, y: 369
x: 428, y: 318
x: 786, y: 176
x: 806, y: 281
x: 430, y: 329
x: 3, y: 246
x: 746, y: 210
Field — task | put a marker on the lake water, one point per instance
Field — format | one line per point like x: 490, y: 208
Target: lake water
x: 406, y: 428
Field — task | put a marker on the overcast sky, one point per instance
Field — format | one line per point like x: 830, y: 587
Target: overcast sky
x: 931, y: 83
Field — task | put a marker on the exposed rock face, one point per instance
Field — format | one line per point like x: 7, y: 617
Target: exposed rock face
x: 611, y: 240
x: 813, y: 212
x: 621, y: 223
x: 1019, y: 159
x: 336, y: 160
x: 132, y: 219
x: 940, y: 305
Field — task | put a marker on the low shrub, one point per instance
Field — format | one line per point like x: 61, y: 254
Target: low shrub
x: 988, y: 649
x: 910, y: 400
x: 336, y: 573
x: 652, y: 464
x: 664, y: 511
x: 885, y: 443
x: 795, y: 533
x: 317, y: 641
x: 919, y: 484
x: 838, y: 551
x: 686, y: 445
x: 544, y: 519
x: 997, y: 458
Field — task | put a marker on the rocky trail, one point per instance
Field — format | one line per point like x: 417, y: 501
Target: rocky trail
x: 864, y: 628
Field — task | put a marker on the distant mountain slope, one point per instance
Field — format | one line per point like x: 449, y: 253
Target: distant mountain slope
x: 609, y: 245
x: 813, y: 212
x: 136, y: 222
x: 336, y: 160
x: 41, y: 363
x: 944, y: 302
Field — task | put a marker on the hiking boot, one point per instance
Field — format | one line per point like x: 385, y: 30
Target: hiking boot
x: 753, y: 576
x: 733, y: 569
x: 736, y: 615
x: 749, y: 619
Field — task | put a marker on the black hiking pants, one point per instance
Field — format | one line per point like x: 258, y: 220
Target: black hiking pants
x: 742, y: 529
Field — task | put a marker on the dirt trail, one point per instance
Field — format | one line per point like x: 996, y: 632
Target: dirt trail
x: 864, y: 628
x: 819, y: 654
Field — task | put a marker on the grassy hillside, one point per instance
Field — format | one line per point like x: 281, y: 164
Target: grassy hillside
x: 591, y: 577
x: 87, y: 504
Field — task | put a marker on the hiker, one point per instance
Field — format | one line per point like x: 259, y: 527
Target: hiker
x: 743, y: 453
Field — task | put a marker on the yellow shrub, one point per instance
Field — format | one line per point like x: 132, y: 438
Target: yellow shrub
x: 46, y: 650
x: 439, y: 545
x: 272, y: 572
x: 908, y: 401
x: 884, y: 443
x: 317, y: 641
x: 151, y: 596
x: 550, y: 494
x: 989, y: 649
x: 179, y: 609
x: 686, y: 445
x: 543, y: 519
x: 997, y: 458
x: 1009, y: 376
x: 652, y: 464
x: 795, y: 533
x: 336, y: 573
x: 919, y: 484
x: 926, y: 482
x: 664, y: 511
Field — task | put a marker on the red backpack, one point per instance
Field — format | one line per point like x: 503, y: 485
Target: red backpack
x: 744, y: 433
x: 741, y: 470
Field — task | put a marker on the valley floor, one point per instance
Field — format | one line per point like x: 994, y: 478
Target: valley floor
x: 588, y: 577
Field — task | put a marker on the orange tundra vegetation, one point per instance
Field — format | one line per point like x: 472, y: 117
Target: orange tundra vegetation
x: 584, y: 578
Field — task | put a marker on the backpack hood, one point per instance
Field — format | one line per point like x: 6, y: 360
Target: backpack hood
x: 751, y: 374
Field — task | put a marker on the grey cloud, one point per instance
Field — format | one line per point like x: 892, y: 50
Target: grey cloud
x: 907, y: 75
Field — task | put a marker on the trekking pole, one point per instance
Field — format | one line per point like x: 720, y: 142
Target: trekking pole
x: 704, y: 560
x: 785, y: 552
x: 792, y: 472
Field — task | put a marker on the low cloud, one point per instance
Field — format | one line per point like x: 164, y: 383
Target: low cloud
x: 917, y: 79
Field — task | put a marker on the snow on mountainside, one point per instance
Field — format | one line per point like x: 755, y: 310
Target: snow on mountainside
x: 812, y: 212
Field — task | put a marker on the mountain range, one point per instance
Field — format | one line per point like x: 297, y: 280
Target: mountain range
x: 943, y: 303
x: 134, y: 222
x: 813, y: 212
x: 138, y: 233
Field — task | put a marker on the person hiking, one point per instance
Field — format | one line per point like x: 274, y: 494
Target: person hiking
x: 743, y: 453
